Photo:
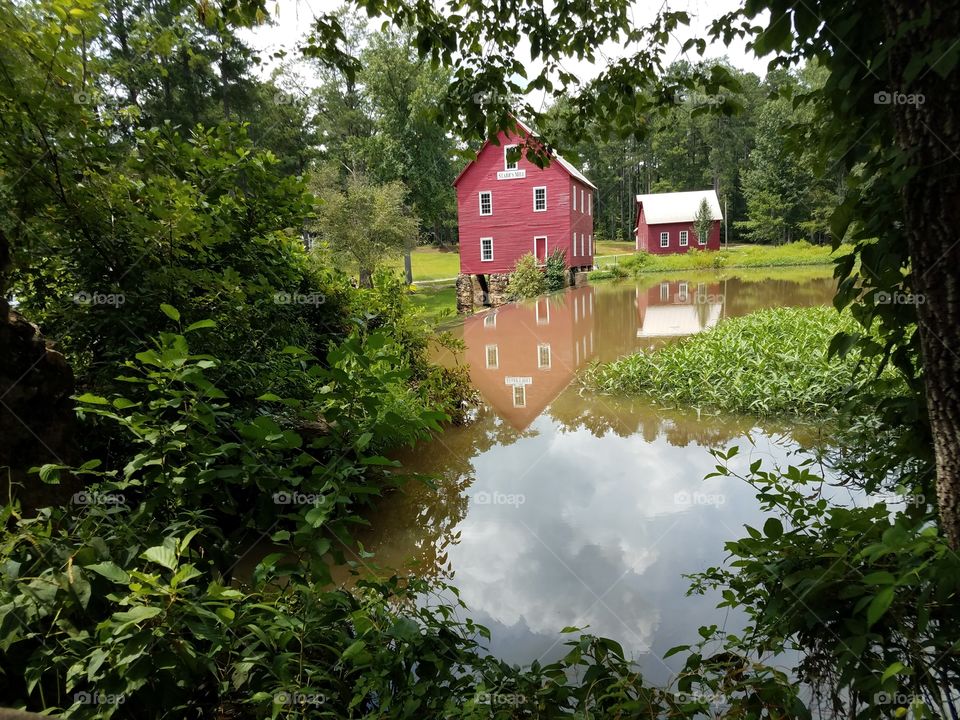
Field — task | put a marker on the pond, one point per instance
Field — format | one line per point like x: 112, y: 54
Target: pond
x: 555, y: 507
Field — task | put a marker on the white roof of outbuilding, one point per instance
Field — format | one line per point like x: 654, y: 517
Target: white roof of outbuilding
x: 678, y: 206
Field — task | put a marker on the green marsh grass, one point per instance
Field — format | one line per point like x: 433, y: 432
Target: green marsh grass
x: 769, y: 363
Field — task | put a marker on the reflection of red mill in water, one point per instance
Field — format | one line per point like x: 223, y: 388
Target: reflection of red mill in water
x: 676, y: 308
x: 523, y: 355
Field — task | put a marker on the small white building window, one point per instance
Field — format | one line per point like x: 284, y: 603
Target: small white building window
x: 493, y: 357
x: 486, y: 203
x: 664, y: 239
x: 582, y: 247
x: 684, y: 238
x: 539, y: 199
x: 519, y: 395
x: 590, y: 204
x: 486, y: 249
x: 507, y: 165
x: 574, y: 244
x: 544, y: 358
x: 590, y: 245
x: 574, y: 197
x: 582, y: 204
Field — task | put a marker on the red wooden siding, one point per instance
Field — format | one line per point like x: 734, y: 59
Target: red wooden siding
x: 648, y: 237
x: 514, y: 224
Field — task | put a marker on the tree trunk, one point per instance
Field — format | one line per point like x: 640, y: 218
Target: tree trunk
x: 930, y: 132
x: 366, y: 278
x: 408, y: 267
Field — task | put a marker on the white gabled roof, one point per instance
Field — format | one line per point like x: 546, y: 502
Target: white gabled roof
x: 678, y: 206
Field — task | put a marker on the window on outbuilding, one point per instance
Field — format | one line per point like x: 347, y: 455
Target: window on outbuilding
x: 664, y: 239
x: 684, y: 238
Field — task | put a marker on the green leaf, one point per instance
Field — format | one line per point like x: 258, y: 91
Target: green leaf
x: 199, y: 325
x: 170, y: 311
x: 137, y: 614
x: 111, y: 571
x: 773, y: 528
x: 879, y: 605
x: 92, y: 399
x: 355, y: 652
x: 162, y: 555
x: 892, y: 670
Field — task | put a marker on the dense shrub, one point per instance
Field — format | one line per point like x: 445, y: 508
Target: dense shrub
x: 527, y: 279
x: 768, y: 363
x: 556, y: 270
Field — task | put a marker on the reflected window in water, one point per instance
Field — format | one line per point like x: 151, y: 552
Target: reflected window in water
x: 682, y: 292
x: 543, y: 311
x: 519, y: 395
x: 544, y: 359
x: 490, y: 320
x: 664, y: 291
x: 493, y: 357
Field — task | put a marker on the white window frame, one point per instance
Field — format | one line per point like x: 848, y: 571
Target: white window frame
x: 495, y: 365
x: 684, y: 238
x: 544, y: 208
x: 480, y: 195
x: 506, y: 163
x: 590, y: 203
x: 522, y: 401
x: 574, y: 243
x: 665, y: 239
x: 574, y: 197
x: 590, y: 245
x: 482, y: 258
x: 583, y: 205
x: 582, y: 247
x: 546, y: 304
x: 544, y: 362
x: 683, y: 292
x: 490, y: 320
x: 664, y: 291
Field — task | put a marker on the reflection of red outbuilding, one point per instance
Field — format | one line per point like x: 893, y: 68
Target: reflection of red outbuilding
x: 523, y: 355
x: 676, y: 308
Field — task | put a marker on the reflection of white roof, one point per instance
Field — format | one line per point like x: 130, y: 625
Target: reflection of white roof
x: 677, y: 320
x: 678, y: 206
x: 565, y: 164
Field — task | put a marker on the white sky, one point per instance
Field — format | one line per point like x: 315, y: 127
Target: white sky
x: 293, y: 18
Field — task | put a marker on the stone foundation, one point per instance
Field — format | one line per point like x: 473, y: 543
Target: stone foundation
x: 474, y: 293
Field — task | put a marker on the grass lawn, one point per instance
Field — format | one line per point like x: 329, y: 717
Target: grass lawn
x: 612, y: 247
x: 437, y: 302
x: 737, y: 256
x: 431, y: 263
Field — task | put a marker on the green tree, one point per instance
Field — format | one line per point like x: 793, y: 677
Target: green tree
x: 703, y: 222
x: 366, y: 224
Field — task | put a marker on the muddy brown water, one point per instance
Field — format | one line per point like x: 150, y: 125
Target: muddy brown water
x: 556, y: 507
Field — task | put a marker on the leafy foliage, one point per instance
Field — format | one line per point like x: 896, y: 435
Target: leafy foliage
x: 555, y: 273
x: 770, y: 362
x: 527, y: 279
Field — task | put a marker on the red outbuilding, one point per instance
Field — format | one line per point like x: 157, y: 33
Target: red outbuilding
x: 508, y: 209
x: 665, y: 222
